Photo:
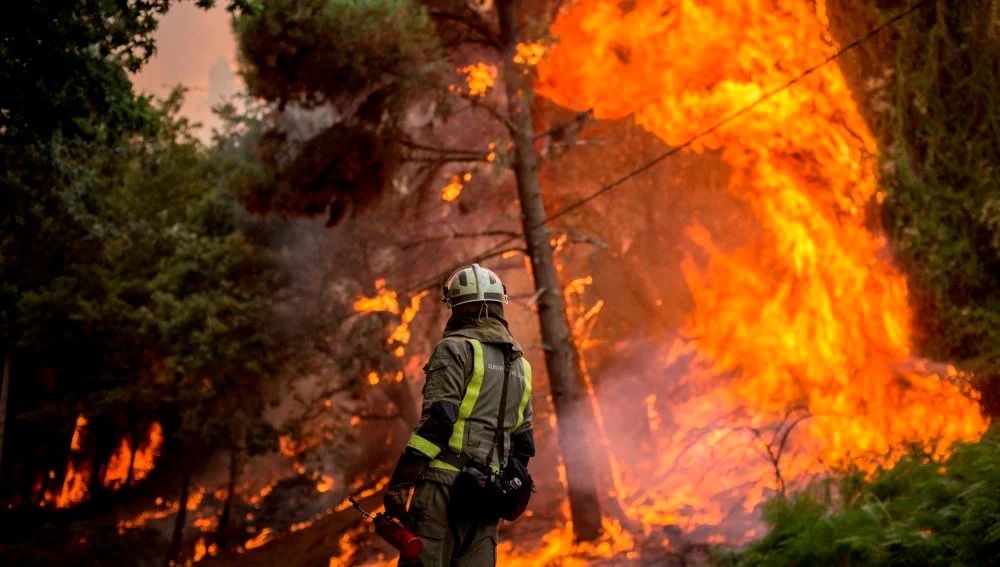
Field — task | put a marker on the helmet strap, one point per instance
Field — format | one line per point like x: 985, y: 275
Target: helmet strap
x: 484, y: 313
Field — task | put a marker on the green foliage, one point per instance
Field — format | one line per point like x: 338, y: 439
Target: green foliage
x: 161, y: 311
x: 321, y: 51
x: 68, y: 63
x: 356, y: 64
x: 133, y: 287
x: 205, y: 285
x: 68, y: 108
x: 943, y: 173
x: 360, y: 59
x: 64, y: 66
x: 920, y: 512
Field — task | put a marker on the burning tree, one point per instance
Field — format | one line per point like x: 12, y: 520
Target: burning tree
x: 794, y: 308
x: 742, y: 323
x: 363, y: 70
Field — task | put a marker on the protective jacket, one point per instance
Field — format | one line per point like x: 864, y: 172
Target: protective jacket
x: 464, y: 381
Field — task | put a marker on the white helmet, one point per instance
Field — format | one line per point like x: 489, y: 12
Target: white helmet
x: 474, y: 283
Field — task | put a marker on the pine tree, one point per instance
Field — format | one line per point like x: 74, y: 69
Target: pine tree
x: 369, y: 65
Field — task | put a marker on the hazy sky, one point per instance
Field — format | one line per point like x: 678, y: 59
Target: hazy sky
x: 195, y: 48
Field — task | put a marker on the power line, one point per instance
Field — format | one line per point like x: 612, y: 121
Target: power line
x: 498, y: 248
x: 762, y: 98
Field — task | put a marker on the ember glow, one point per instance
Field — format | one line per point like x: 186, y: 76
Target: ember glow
x: 260, y: 539
x: 453, y: 189
x: 384, y: 300
x: 529, y: 54
x: 387, y: 300
x: 479, y: 78
x: 803, y: 328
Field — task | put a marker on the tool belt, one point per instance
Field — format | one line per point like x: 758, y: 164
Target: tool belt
x: 481, y: 495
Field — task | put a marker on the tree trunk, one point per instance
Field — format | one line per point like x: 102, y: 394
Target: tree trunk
x: 228, y: 504
x: 3, y: 402
x: 174, y: 551
x: 102, y: 445
x: 131, y: 463
x: 573, y: 413
x: 133, y: 427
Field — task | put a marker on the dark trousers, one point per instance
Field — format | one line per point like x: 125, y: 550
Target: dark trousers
x: 448, y: 544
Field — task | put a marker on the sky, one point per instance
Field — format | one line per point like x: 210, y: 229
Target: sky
x: 195, y: 48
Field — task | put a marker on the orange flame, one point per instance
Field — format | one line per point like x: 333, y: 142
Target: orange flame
x: 807, y: 318
x: 163, y: 509
x: 479, y: 78
x: 260, y: 539
x: 806, y: 323
x: 324, y: 484
x: 76, y: 443
x: 453, y: 189
x: 529, y: 54
x: 117, y: 471
x: 77, y: 478
x: 401, y: 334
x: 384, y: 300
x: 78, y: 471
x: 558, y: 548
x: 74, y: 488
x: 200, y: 550
x: 387, y: 300
x: 349, y: 547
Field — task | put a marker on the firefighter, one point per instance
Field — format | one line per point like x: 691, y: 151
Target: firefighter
x: 461, y: 405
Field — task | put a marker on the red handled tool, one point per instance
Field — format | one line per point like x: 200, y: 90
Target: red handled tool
x: 390, y: 530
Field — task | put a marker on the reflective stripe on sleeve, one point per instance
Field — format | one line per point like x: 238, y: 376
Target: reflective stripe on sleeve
x: 438, y: 464
x: 526, y: 396
x: 471, y: 396
x: 423, y: 445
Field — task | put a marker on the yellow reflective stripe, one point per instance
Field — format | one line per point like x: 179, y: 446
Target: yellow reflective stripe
x: 439, y: 464
x: 436, y: 464
x: 526, y: 396
x: 470, y: 398
x: 423, y: 445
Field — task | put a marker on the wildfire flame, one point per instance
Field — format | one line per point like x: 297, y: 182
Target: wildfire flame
x: 807, y: 318
x: 74, y: 488
x: 479, y: 78
x: 384, y: 300
x: 260, y: 539
x: 79, y: 470
x: 142, y: 462
x: 529, y: 54
x: 387, y: 300
x: 801, y: 334
x: 453, y: 189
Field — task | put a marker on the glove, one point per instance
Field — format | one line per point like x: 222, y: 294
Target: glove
x: 407, y: 472
x: 395, y: 501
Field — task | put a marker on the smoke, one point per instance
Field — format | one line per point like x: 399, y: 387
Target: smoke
x: 195, y: 48
x: 689, y: 453
x: 222, y: 82
x: 688, y: 460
